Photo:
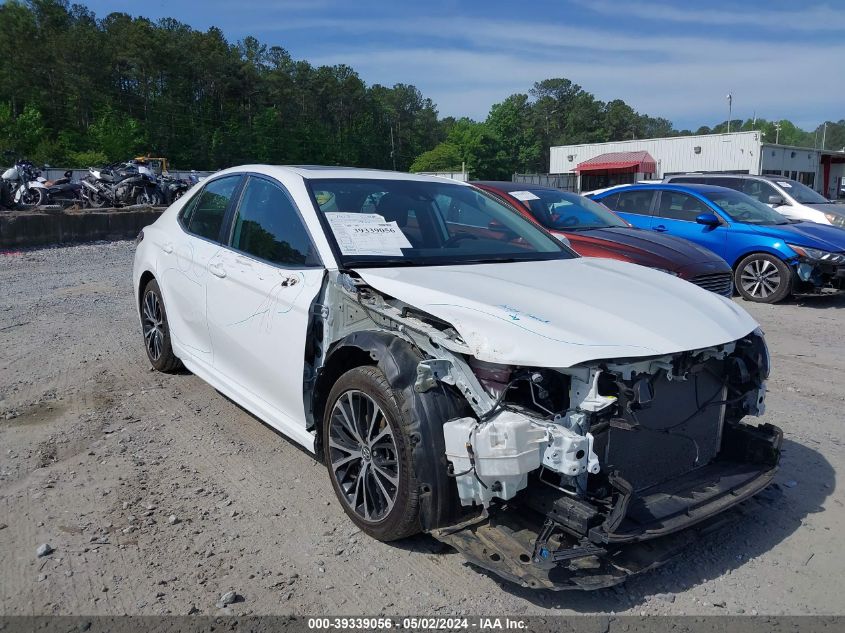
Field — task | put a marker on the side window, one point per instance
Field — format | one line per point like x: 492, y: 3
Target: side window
x: 681, y: 206
x: 730, y: 183
x: 205, y: 216
x: 759, y: 189
x: 611, y: 202
x: 637, y: 202
x: 268, y: 226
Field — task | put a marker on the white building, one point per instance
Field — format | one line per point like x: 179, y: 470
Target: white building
x: 599, y: 165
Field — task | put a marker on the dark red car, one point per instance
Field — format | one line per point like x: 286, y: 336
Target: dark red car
x: 593, y: 230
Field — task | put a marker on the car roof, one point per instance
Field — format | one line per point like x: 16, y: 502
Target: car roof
x: 667, y: 186
x: 311, y: 172
x: 508, y: 186
x: 772, y: 177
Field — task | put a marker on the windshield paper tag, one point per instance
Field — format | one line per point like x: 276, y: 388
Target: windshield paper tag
x: 784, y: 184
x: 367, y: 234
x: 525, y: 196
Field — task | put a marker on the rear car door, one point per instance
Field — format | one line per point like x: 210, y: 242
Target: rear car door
x: 634, y: 206
x: 186, y: 258
x: 676, y: 213
x: 259, y: 300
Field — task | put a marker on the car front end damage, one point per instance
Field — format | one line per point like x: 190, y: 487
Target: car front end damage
x: 564, y: 477
x: 818, y: 271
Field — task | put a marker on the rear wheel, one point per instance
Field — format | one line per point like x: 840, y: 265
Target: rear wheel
x: 156, y: 330
x: 763, y: 278
x: 96, y: 200
x: 367, y: 451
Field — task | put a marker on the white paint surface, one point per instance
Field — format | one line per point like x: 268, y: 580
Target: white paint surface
x: 565, y: 312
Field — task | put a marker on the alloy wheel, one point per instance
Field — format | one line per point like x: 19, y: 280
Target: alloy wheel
x: 153, y: 326
x: 363, y: 455
x: 760, y: 278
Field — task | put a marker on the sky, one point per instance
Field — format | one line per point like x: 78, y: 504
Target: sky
x: 778, y: 59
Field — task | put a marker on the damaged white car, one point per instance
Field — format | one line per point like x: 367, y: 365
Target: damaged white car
x: 563, y: 422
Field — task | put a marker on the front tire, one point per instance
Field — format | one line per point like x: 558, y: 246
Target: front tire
x: 156, y: 330
x: 367, y: 451
x: 763, y: 278
x: 32, y: 197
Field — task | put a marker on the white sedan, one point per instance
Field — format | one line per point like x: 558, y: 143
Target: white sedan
x: 460, y: 371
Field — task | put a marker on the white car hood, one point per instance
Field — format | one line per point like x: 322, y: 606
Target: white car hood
x: 564, y: 312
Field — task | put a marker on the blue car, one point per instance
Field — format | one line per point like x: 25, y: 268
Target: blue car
x: 772, y: 257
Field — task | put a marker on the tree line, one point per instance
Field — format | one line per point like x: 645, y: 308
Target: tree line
x: 78, y: 90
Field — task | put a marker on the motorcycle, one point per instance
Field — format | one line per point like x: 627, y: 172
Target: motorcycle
x: 62, y: 191
x: 22, y: 181
x: 6, y: 201
x: 172, y: 188
x: 121, y: 184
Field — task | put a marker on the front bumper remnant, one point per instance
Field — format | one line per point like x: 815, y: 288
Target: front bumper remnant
x: 544, y: 539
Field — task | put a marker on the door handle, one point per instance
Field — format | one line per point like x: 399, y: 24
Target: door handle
x: 167, y: 248
x: 217, y: 270
x: 659, y: 228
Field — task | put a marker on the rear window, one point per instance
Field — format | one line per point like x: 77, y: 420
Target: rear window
x: 636, y: 202
x: 203, y: 215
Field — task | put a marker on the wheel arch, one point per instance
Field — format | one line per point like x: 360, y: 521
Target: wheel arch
x: 760, y: 251
x: 427, y: 412
x: 146, y: 277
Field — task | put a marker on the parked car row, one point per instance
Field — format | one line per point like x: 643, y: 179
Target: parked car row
x: 771, y: 256
x: 788, y: 197
x: 715, y: 236
x: 460, y: 370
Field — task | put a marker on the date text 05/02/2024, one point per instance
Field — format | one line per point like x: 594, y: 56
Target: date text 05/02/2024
x: 417, y: 623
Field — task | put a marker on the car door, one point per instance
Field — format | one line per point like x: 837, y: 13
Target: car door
x: 260, y: 293
x: 186, y: 258
x: 635, y: 206
x: 675, y: 215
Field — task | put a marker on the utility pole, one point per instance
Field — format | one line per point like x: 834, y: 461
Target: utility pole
x: 777, y: 132
x: 824, y: 134
x: 730, y: 107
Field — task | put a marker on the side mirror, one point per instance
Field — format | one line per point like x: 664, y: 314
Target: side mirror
x: 776, y: 200
x: 708, y: 219
x: 68, y: 173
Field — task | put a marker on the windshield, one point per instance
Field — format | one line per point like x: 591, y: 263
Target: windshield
x: 405, y: 222
x: 801, y: 193
x: 563, y: 211
x: 743, y: 208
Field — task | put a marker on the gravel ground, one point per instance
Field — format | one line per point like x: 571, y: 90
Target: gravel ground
x: 159, y: 496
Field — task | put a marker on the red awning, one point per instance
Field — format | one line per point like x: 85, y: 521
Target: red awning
x: 642, y: 161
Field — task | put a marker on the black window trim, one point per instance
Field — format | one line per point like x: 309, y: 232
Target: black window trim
x: 236, y: 192
x: 652, y: 206
x: 702, y: 199
x: 229, y: 225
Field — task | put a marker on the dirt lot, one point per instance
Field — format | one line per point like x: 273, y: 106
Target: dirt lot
x: 159, y: 495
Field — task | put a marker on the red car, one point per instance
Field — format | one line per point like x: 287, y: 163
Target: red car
x: 593, y: 230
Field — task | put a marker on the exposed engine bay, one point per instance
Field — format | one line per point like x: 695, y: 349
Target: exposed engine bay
x: 576, y: 477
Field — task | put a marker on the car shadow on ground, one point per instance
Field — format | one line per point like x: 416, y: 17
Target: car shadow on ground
x: 819, y: 302
x: 760, y: 524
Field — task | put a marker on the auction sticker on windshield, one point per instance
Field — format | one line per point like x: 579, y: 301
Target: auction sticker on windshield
x: 367, y: 234
x: 524, y: 196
